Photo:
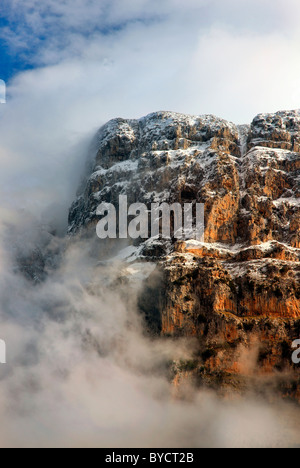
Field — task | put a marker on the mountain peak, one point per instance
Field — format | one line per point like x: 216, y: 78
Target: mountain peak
x: 243, y: 281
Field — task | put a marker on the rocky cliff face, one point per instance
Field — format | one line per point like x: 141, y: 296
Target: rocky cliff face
x: 237, y: 293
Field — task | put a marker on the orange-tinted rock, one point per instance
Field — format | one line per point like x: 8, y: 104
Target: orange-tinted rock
x: 238, y: 293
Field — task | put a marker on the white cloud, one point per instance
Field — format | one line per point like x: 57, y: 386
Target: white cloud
x: 57, y: 25
x: 80, y: 373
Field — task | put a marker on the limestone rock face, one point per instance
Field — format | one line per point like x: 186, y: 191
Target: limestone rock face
x: 279, y: 131
x: 166, y: 157
x: 238, y: 292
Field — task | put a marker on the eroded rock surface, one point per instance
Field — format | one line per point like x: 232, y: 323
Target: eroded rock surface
x: 238, y: 292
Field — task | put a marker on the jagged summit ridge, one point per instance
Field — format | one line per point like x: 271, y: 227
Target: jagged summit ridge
x: 158, y: 131
x: 280, y: 130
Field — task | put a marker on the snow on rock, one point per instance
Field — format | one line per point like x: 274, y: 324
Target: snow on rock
x: 249, y: 185
x: 243, y: 280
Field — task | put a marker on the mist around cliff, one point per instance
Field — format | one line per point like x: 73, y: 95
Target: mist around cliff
x: 82, y: 372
